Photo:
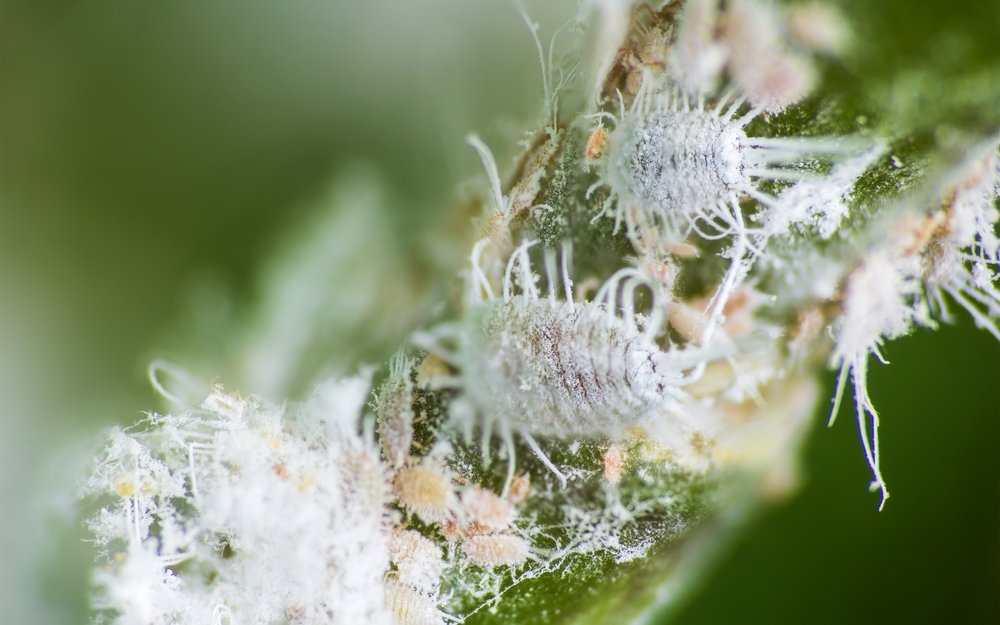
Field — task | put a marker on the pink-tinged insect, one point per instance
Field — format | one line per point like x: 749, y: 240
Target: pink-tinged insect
x: 496, y: 549
x: 425, y: 490
x: 684, y: 170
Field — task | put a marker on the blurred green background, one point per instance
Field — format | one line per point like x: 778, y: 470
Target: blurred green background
x: 153, y: 154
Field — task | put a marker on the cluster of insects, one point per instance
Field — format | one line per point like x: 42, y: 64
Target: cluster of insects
x: 537, y: 358
x: 642, y: 314
x: 533, y: 358
x: 679, y: 158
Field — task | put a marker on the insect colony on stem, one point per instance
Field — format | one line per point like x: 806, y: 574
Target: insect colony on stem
x: 532, y: 363
x: 681, y: 174
x: 620, y: 383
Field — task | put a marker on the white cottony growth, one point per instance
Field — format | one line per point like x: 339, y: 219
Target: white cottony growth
x: 417, y: 560
x: 821, y: 203
x: 878, y: 306
x: 685, y: 170
x: 142, y: 590
x: 964, y: 258
x: 243, y: 512
x: 948, y: 247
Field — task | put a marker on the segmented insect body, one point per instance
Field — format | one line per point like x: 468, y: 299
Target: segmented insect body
x: 963, y: 255
x: 394, y: 412
x: 555, y: 367
x: 563, y: 369
x: 496, y: 549
x: 417, y: 559
x: 683, y: 169
x: 411, y: 607
x: 681, y: 161
x: 536, y: 365
x: 675, y: 171
x: 677, y: 165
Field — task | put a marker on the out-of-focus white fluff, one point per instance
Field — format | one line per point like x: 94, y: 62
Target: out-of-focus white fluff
x: 243, y: 512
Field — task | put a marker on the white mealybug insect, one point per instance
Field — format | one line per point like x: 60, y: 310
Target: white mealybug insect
x: 677, y: 170
x: 496, y: 549
x: 951, y: 250
x: 683, y: 170
x: 541, y: 365
x: 411, y: 607
x: 417, y: 559
x: 486, y: 510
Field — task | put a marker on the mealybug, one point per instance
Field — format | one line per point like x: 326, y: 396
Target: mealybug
x: 496, y: 549
x: 540, y: 365
x: 425, y: 491
x: 417, y: 559
x: 683, y: 170
x: 614, y: 464
x: 410, y: 607
x: 487, y: 510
